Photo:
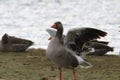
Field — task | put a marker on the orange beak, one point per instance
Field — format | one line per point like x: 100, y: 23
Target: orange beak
x: 53, y: 26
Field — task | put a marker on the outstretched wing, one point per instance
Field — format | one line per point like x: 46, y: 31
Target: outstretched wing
x: 81, y: 35
x: 51, y: 31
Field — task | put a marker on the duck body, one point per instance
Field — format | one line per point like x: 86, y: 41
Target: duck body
x: 61, y: 55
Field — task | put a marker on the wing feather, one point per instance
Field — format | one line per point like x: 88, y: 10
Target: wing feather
x: 81, y: 35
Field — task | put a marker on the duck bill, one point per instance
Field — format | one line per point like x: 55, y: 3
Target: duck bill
x: 50, y: 38
x: 53, y: 26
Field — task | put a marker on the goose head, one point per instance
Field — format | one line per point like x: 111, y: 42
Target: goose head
x: 59, y: 27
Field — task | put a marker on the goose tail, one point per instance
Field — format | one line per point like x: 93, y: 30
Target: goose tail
x: 83, y: 63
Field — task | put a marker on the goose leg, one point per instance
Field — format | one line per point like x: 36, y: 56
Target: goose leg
x: 74, y: 74
x: 60, y: 73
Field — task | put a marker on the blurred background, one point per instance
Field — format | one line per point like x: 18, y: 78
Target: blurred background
x: 29, y: 18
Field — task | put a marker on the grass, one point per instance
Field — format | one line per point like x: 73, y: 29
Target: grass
x: 34, y: 65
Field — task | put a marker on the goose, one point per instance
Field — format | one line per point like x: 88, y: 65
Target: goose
x: 100, y: 47
x: 61, y: 55
x: 93, y: 47
x: 13, y: 44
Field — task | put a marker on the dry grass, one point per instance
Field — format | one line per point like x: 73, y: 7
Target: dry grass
x: 33, y: 65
